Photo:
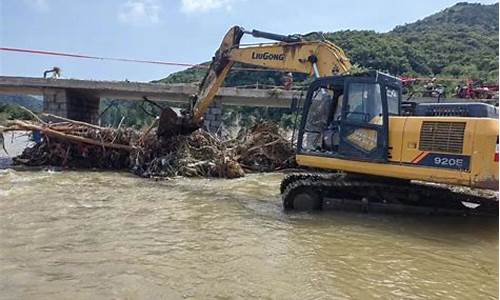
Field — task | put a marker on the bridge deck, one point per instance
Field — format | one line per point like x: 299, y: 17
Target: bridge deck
x: 137, y: 90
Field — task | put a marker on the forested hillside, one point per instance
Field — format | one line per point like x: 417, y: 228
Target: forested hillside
x: 460, y: 41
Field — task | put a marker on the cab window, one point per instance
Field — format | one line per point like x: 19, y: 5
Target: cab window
x: 364, y: 104
x: 392, y: 101
x: 317, y: 119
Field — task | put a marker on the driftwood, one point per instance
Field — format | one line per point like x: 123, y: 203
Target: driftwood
x: 148, y: 130
x: 73, y: 121
x: 32, y: 114
x: 264, y: 149
x: 20, y: 125
x: 76, y: 144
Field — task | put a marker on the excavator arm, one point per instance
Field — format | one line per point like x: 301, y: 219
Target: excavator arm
x: 290, y: 53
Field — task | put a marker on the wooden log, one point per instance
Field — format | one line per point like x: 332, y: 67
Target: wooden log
x: 262, y: 146
x: 70, y: 137
x: 32, y: 114
x: 153, y: 125
x: 74, y: 122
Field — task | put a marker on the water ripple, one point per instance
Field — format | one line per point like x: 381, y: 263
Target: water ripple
x: 113, y: 235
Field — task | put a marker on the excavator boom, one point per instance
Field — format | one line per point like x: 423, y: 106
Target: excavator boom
x: 290, y: 53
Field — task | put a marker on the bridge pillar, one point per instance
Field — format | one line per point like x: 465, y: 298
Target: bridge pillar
x: 213, y: 117
x: 55, y: 102
x: 74, y: 104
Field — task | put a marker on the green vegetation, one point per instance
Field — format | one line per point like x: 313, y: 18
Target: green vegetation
x: 460, y: 41
x: 11, y: 112
x: 9, y: 106
x: 137, y: 114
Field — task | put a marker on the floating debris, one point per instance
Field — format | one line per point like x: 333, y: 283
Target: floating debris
x: 199, y: 154
x: 264, y: 149
x: 79, y: 145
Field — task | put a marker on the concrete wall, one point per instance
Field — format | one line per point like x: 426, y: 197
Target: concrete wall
x: 55, y: 102
x: 213, y: 117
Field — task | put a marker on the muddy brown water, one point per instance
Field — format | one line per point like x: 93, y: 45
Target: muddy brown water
x: 104, y: 235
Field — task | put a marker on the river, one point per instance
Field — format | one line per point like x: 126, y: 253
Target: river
x: 106, y: 235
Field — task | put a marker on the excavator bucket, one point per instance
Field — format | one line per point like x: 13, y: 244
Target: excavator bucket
x: 170, y: 123
x: 167, y: 126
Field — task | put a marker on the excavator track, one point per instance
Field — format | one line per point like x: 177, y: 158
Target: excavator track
x: 360, y: 193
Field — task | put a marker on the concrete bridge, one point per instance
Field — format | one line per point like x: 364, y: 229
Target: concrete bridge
x: 79, y: 99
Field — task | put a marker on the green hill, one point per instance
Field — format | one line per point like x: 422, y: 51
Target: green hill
x: 9, y: 106
x: 460, y: 41
x: 32, y: 103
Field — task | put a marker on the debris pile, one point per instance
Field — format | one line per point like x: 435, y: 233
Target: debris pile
x: 79, y: 145
x: 264, y: 149
x: 197, y: 155
x: 73, y: 145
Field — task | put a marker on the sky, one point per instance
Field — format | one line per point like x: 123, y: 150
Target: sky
x: 186, y: 31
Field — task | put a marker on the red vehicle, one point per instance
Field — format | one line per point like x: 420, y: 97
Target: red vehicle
x: 476, y: 90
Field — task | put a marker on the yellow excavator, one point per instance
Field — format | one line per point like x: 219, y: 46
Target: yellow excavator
x: 292, y: 54
x: 366, y: 151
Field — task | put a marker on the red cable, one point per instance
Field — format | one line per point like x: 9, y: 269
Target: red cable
x: 97, y: 57
x: 42, y: 52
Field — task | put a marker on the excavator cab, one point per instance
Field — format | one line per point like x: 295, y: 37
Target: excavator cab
x: 347, y: 116
x: 379, y: 159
